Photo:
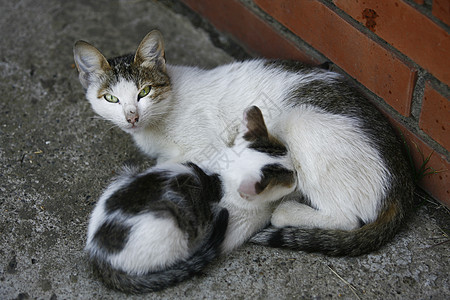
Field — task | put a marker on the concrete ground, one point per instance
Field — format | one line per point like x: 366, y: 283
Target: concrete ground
x: 56, y: 156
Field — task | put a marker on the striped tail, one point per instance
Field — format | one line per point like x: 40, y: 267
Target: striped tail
x: 365, y: 239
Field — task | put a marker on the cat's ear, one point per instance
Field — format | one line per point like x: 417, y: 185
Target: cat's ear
x: 89, y: 61
x: 151, y: 51
x: 253, y: 125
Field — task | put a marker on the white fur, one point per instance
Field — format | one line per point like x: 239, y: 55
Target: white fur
x: 154, y: 243
x: 208, y: 106
x: 339, y: 171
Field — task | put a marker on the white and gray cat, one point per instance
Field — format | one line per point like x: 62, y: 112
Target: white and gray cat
x: 354, y: 184
x: 153, y: 229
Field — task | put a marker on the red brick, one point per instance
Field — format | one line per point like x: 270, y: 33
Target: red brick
x: 408, y: 30
x: 370, y: 63
x: 441, y: 10
x: 233, y: 17
x: 437, y: 185
x: 435, y: 116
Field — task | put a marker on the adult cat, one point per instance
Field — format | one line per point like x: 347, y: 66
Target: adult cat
x: 153, y: 229
x: 354, y: 183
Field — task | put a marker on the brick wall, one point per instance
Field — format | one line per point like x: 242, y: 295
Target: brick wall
x: 397, y: 51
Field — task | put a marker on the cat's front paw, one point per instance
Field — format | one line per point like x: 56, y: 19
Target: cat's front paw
x: 293, y: 213
x: 281, y: 215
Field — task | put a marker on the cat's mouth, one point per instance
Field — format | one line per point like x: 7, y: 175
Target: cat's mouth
x: 132, y: 127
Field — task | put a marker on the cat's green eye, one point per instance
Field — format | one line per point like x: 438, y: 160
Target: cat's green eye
x: 111, y: 98
x: 144, y: 92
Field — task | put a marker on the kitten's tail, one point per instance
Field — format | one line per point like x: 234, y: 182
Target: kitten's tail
x: 180, y: 271
x: 365, y: 239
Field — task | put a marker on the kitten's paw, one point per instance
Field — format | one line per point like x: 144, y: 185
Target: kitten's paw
x: 292, y: 213
x: 278, y: 220
x: 283, y: 214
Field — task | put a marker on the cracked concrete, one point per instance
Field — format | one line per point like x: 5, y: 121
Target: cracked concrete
x: 56, y: 156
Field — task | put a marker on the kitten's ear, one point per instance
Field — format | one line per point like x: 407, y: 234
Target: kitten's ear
x: 89, y: 61
x: 254, y: 126
x: 151, y: 51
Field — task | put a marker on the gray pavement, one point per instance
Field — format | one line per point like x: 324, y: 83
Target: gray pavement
x: 56, y: 156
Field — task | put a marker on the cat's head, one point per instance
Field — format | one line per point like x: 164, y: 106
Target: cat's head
x: 263, y: 164
x: 131, y: 91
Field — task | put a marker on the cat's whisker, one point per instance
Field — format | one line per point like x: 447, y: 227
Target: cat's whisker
x: 97, y: 118
x: 108, y: 129
x: 111, y: 127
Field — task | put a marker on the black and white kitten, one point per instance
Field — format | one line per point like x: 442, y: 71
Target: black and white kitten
x: 153, y: 229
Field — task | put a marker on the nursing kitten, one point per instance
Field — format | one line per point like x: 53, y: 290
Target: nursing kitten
x: 256, y: 172
x: 153, y: 229
x: 354, y: 184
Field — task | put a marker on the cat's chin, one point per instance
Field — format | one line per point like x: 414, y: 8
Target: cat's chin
x: 140, y: 127
x: 133, y: 129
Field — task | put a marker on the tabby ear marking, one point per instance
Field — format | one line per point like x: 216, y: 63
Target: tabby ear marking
x: 151, y: 51
x: 89, y: 61
x: 254, y: 121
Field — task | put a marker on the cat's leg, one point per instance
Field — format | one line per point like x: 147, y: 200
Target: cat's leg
x: 292, y: 213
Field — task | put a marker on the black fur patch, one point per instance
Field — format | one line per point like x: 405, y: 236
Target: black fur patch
x: 361, y: 223
x: 185, y: 197
x: 268, y: 147
x: 213, y: 183
x: 276, y: 239
x: 138, y: 195
x: 274, y: 174
x: 288, y: 65
x: 112, y: 236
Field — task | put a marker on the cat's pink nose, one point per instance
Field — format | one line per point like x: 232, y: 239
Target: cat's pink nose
x: 133, y: 119
x: 131, y: 114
